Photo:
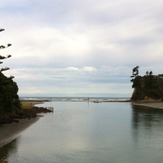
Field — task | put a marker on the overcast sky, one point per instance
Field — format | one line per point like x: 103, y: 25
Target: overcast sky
x: 81, y: 47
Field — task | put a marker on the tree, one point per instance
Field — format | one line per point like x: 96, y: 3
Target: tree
x: 150, y: 73
x: 147, y: 87
x: 9, y: 99
x: 147, y: 73
x: 135, y: 73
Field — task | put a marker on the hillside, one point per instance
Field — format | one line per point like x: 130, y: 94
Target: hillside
x: 147, y: 87
x: 9, y: 99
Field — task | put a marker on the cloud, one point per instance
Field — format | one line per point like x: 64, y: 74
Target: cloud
x: 69, y: 80
x: 79, y: 46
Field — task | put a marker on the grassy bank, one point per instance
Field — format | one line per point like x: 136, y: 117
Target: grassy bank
x: 28, y: 110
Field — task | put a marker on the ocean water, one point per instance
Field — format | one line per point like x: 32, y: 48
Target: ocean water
x: 88, y: 132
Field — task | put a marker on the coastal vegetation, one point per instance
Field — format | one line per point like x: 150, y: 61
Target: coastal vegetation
x: 9, y: 99
x: 11, y: 108
x: 147, y: 87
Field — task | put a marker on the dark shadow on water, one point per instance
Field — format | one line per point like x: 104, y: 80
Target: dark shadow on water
x: 8, y: 149
x: 147, y: 117
x: 146, y: 120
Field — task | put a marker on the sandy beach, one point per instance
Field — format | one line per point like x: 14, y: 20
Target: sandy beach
x: 9, y: 132
x: 158, y: 105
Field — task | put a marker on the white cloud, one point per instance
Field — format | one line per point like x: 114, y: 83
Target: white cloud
x: 79, y: 46
x: 72, y: 68
x: 71, y: 79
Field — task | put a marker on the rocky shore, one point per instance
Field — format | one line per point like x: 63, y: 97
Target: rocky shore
x: 23, y: 114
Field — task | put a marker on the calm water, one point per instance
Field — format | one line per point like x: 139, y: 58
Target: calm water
x: 81, y: 132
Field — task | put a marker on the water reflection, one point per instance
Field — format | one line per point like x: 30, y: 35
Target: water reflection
x: 8, y: 149
x: 145, y: 121
x: 147, y: 117
x: 101, y: 132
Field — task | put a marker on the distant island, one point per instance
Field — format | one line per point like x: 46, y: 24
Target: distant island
x: 148, y: 87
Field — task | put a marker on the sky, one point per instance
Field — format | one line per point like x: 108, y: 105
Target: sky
x: 81, y: 47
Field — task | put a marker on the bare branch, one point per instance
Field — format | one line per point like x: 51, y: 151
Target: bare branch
x: 4, y: 69
x: 11, y: 77
x: 1, y: 29
x: 8, y: 56
x: 2, y: 57
x: 2, y: 47
x: 8, y: 45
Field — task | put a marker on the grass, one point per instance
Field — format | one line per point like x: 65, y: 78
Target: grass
x: 27, y: 105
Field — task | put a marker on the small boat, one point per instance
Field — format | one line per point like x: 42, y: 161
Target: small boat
x: 96, y: 101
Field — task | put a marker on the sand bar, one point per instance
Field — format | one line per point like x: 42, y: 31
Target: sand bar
x: 9, y: 132
x: 158, y: 105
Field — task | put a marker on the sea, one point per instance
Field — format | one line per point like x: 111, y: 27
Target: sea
x: 90, y: 130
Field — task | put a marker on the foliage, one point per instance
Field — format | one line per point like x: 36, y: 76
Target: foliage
x: 9, y: 99
x: 148, y: 86
x: 26, y: 105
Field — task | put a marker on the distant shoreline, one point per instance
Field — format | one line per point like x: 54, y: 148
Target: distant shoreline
x: 34, y: 102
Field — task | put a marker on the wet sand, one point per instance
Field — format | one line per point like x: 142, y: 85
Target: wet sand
x: 9, y: 132
x: 158, y: 105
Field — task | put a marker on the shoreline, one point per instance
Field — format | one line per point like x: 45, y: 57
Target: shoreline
x: 34, y: 102
x: 28, y: 116
x: 11, y: 131
x: 153, y: 104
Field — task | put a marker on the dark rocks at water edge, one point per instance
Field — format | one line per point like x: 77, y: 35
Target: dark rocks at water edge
x: 23, y: 114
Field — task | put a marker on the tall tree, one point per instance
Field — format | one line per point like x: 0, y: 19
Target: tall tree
x: 9, y: 99
x: 135, y: 73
